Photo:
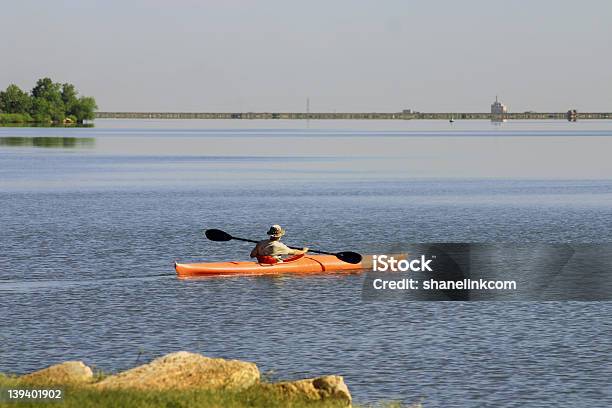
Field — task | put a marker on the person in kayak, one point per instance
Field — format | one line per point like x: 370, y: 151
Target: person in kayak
x: 271, y: 250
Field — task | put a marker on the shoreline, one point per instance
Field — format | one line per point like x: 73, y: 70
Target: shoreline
x: 358, y: 115
x: 176, y: 379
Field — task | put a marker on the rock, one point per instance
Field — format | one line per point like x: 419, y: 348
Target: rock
x: 330, y: 387
x: 70, y: 372
x: 184, y: 370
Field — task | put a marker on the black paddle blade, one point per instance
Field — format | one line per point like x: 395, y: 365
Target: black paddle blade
x: 349, y: 257
x: 217, y: 235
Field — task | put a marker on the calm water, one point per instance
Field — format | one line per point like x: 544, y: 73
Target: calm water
x: 92, y: 219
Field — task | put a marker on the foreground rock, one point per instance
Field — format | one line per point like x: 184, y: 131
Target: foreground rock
x: 183, y: 370
x: 330, y: 387
x: 68, y: 373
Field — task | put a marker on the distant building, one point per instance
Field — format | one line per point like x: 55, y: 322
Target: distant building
x: 498, y: 108
x: 407, y: 111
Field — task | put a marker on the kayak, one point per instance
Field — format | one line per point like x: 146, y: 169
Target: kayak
x: 306, y: 264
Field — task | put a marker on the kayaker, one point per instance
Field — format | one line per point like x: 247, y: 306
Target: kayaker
x: 271, y: 250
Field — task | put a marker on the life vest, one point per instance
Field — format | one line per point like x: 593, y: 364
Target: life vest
x: 269, y: 260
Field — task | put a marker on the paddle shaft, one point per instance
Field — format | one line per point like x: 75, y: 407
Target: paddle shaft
x: 310, y: 250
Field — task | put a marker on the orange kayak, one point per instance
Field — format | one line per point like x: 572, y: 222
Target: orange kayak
x: 306, y: 264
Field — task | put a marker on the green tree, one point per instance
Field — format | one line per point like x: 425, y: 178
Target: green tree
x: 41, y: 110
x: 47, y: 89
x: 14, y: 100
x: 69, y: 97
x: 47, y: 103
x: 84, y: 109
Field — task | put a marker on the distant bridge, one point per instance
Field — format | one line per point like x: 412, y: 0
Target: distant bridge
x: 351, y: 115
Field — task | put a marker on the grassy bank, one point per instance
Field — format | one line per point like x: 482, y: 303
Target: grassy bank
x: 254, y: 397
x: 79, y: 397
x: 15, y: 118
x: 24, y: 120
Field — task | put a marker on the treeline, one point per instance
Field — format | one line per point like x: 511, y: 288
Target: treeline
x: 48, y: 102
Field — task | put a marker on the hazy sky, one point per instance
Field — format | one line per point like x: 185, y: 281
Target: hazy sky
x: 346, y: 55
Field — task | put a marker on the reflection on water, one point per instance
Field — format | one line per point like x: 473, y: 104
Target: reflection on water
x: 57, y: 142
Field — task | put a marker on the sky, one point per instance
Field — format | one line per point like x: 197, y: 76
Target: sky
x: 344, y: 55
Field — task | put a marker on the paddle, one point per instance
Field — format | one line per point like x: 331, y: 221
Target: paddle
x: 222, y: 236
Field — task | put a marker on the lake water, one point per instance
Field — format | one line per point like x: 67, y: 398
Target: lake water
x: 92, y: 219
